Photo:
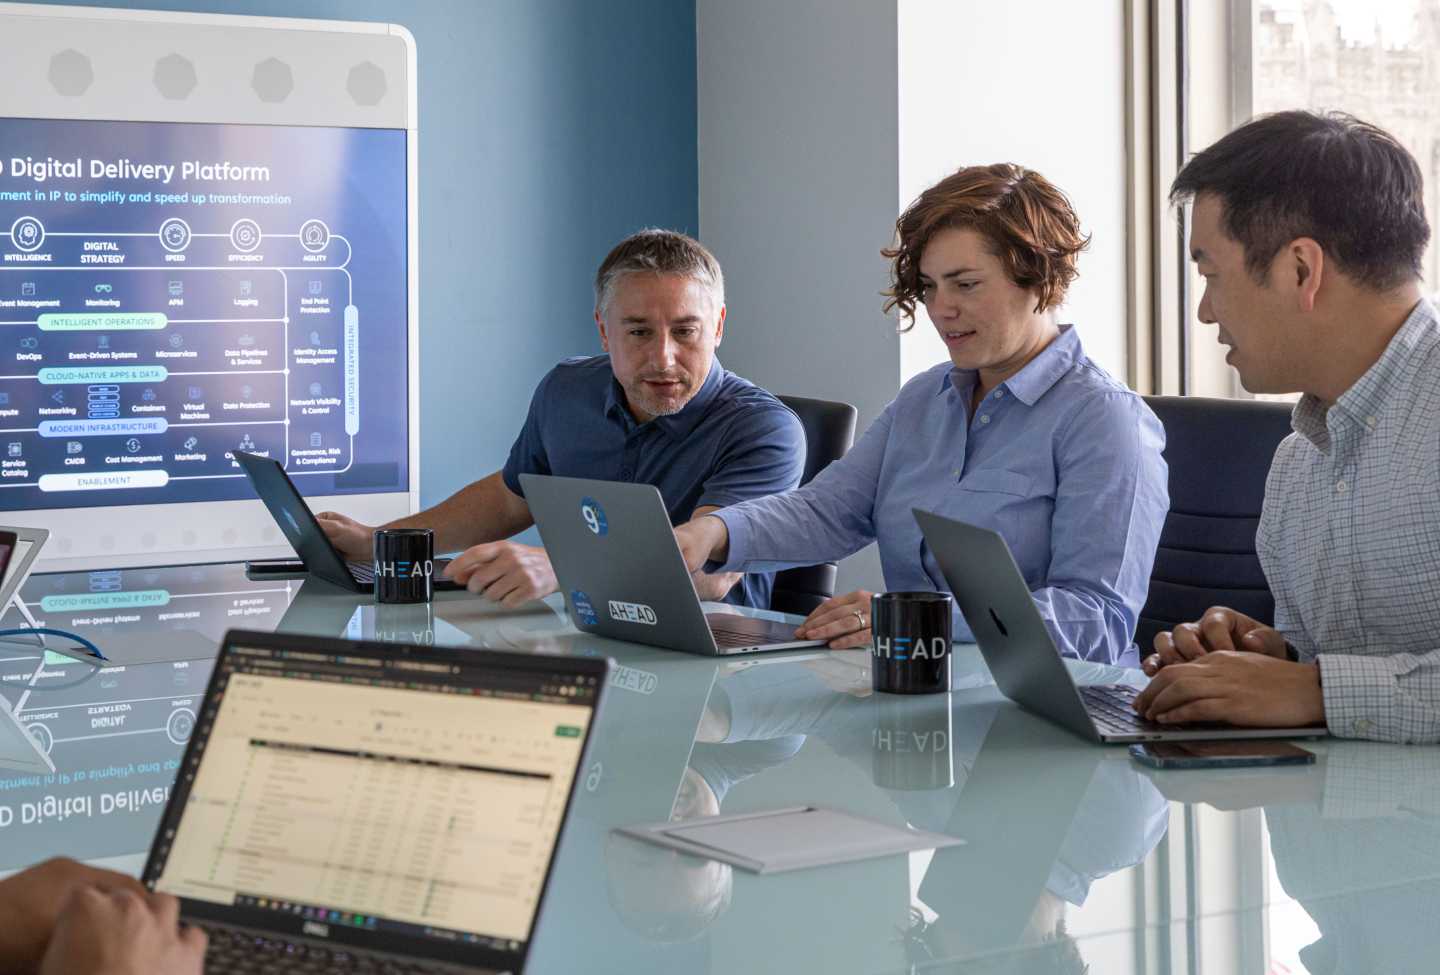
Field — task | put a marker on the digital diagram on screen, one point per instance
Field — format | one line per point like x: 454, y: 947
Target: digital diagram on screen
x: 171, y: 292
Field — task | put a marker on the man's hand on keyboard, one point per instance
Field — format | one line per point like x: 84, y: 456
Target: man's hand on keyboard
x: 120, y: 932
x: 1220, y: 628
x: 32, y: 901
x: 1250, y: 689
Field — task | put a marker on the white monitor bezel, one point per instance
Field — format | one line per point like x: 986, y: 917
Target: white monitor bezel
x: 216, y: 531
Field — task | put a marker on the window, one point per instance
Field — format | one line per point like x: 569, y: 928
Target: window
x: 1376, y: 59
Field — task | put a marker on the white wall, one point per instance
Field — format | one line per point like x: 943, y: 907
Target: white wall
x: 820, y: 119
x: 1034, y: 82
x: 798, y: 177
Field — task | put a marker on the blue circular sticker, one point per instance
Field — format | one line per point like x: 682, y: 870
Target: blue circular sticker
x: 584, y: 611
x: 594, y: 516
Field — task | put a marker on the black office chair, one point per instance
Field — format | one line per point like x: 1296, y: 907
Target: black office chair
x: 829, y: 432
x: 1219, y: 452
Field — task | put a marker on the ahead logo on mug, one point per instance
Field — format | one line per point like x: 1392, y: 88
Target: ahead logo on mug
x: 905, y: 648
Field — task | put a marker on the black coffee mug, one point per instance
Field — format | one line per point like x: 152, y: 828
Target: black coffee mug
x: 911, y: 742
x: 404, y: 565
x: 910, y: 642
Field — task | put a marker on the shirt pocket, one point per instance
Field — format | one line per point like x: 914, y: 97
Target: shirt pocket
x: 998, y: 482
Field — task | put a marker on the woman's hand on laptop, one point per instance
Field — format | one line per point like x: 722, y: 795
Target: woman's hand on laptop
x: 504, y: 572
x: 353, y: 540
x: 842, y: 621
x: 702, y: 539
x: 123, y: 933
x: 1221, y: 628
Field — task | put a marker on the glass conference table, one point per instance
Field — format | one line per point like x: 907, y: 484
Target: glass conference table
x: 1073, y: 855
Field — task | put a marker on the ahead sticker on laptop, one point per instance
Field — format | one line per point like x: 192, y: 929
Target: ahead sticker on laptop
x: 594, y: 516
x: 632, y: 613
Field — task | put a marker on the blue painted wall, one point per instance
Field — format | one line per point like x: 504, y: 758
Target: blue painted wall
x: 549, y: 129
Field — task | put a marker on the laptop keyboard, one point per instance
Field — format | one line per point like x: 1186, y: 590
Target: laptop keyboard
x: 730, y: 639
x: 1109, y: 707
x: 234, y: 951
x: 734, y: 632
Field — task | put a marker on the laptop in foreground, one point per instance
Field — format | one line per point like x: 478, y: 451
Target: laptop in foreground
x: 349, y: 805
x: 1022, y: 657
x: 292, y: 514
x: 615, y: 556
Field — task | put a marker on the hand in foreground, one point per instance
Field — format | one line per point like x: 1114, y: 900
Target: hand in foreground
x: 355, y: 541
x: 31, y: 903
x: 843, y: 621
x: 123, y: 933
x: 1233, y: 687
x: 504, y: 572
x: 1220, y: 628
x: 702, y: 539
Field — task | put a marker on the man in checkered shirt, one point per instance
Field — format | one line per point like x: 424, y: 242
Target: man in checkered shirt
x: 1309, y: 232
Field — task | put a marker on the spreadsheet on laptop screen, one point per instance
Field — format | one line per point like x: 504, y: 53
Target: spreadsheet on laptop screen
x: 428, y: 805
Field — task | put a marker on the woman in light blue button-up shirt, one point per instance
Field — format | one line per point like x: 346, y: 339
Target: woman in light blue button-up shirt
x: 1019, y: 432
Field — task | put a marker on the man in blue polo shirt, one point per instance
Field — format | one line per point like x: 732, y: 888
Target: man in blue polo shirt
x: 657, y: 408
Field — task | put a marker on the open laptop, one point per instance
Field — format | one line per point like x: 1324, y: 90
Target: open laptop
x: 304, y: 533
x: 615, y: 556
x: 1023, y: 658
x: 363, y: 806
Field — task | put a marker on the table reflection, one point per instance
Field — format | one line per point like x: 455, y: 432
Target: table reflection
x: 154, y: 614
x: 1364, y: 862
x: 1038, y: 834
x: 115, y: 736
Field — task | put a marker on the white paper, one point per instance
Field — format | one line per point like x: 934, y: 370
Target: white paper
x: 788, y: 839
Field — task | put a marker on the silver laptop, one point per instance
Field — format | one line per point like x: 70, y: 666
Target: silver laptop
x: 360, y: 806
x: 620, y: 568
x: 1023, y: 658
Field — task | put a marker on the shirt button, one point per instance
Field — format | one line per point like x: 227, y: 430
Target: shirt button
x: 1340, y: 487
x: 999, y: 393
x: 1362, y: 725
x: 985, y: 418
x: 1370, y: 422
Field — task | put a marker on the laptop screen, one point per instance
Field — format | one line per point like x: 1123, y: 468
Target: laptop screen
x: 410, y: 793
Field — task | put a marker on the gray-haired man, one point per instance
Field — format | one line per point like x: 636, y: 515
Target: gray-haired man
x: 657, y: 408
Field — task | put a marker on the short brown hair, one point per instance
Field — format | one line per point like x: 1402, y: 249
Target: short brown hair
x: 654, y: 251
x: 1027, y: 221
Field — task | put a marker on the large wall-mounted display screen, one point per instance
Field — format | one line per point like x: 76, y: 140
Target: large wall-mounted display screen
x: 170, y: 292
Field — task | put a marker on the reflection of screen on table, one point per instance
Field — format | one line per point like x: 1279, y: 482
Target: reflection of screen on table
x: 170, y: 292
